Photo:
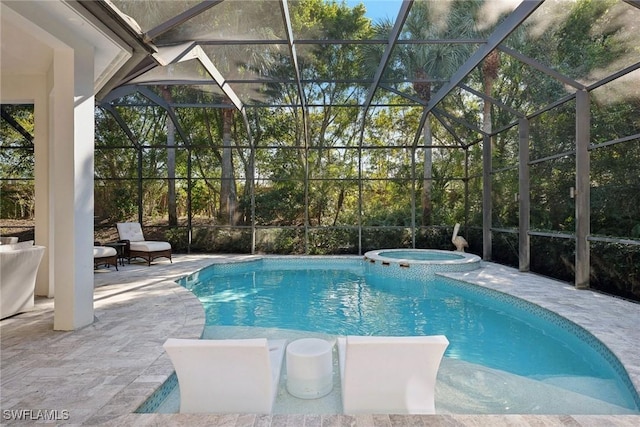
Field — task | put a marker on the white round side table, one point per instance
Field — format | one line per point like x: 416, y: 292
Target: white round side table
x: 309, y: 368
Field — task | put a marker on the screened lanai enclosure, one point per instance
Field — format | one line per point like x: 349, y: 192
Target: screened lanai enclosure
x: 319, y: 127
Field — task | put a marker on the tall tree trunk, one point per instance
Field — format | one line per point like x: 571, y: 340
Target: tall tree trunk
x: 171, y: 173
x: 490, y: 67
x: 423, y: 89
x: 486, y: 116
x: 228, y: 197
x: 338, y: 206
x: 171, y: 162
x: 427, y: 183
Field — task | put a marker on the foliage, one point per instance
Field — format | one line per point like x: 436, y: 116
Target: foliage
x: 554, y: 257
x: 586, y: 39
x: 434, y: 238
x: 327, y: 241
x: 615, y: 269
x: 116, y: 202
x: 280, y: 241
x: 504, y: 248
x: 17, y: 193
x: 17, y: 199
x: 225, y: 240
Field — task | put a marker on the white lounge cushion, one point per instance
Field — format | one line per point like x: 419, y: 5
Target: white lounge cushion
x: 226, y: 376
x: 390, y: 375
x: 103, y: 251
x: 150, y: 246
x: 131, y: 231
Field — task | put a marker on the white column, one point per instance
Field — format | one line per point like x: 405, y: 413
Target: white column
x: 84, y: 146
x: 71, y: 187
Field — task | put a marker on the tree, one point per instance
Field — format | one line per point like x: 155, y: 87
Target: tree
x: 17, y: 192
x: 228, y: 196
x: 422, y: 63
x: 490, y: 67
x: 330, y: 127
x: 171, y: 160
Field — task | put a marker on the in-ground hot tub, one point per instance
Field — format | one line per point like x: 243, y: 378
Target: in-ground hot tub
x: 418, y: 262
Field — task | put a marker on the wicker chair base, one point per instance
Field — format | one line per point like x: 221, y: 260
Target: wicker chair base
x: 150, y: 256
x: 106, y: 260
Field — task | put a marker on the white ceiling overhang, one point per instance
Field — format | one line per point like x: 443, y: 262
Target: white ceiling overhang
x: 32, y: 30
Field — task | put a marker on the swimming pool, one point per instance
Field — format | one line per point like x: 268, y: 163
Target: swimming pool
x: 488, y: 331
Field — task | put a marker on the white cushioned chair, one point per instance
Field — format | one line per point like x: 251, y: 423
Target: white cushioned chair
x: 226, y: 376
x: 19, y: 264
x: 390, y: 375
x: 138, y: 247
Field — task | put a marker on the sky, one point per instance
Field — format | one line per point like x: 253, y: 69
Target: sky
x: 379, y: 9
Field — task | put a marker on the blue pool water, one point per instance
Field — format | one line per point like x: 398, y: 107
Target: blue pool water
x: 336, y: 297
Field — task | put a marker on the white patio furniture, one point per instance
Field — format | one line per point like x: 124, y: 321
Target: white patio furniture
x: 309, y: 364
x: 138, y: 247
x: 391, y: 375
x: 19, y: 264
x: 226, y: 376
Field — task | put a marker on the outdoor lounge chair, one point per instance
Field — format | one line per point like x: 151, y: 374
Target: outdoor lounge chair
x: 234, y: 375
x: 390, y: 375
x: 104, y: 255
x: 138, y: 247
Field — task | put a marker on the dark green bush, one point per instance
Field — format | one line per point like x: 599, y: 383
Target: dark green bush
x: 615, y: 269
